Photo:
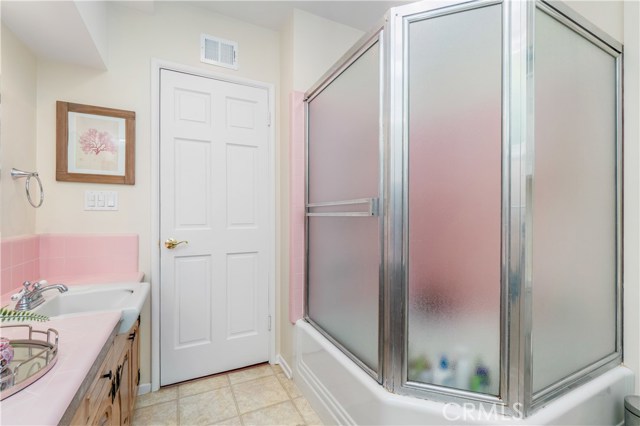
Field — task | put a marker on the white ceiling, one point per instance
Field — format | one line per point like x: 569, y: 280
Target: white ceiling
x: 59, y: 29
x: 360, y: 14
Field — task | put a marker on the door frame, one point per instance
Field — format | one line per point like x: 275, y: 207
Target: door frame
x: 156, y: 66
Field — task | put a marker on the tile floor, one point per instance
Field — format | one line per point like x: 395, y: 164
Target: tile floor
x: 258, y: 395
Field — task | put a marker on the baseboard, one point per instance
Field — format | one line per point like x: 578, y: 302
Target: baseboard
x: 144, y: 388
x: 285, y: 367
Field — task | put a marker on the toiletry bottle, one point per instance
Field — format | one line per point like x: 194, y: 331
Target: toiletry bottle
x: 442, y: 375
x: 463, y: 370
x: 480, y: 381
x: 426, y: 376
x: 417, y: 368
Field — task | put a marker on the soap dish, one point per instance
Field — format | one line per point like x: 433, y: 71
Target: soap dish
x: 34, y: 353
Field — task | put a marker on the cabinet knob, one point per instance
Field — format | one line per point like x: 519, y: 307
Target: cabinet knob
x: 109, y: 375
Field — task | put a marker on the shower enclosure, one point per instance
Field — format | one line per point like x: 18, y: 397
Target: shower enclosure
x: 464, y: 202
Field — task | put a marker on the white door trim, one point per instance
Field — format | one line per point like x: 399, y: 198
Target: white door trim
x: 156, y: 66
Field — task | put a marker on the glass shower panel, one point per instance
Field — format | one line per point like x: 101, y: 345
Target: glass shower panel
x: 343, y: 282
x: 454, y: 200
x: 344, y: 249
x: 574, y: 203
x: 344, y: 133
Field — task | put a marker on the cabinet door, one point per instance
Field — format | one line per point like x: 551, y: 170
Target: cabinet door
x: 99, y: 391
x: 108, y: 413
x: 125, y: 390
x: 134, y: 362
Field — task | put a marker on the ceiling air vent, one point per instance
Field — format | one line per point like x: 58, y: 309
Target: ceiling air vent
x: 216, y: 51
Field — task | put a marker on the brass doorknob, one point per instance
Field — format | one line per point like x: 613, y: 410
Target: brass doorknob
x: 171, y: 243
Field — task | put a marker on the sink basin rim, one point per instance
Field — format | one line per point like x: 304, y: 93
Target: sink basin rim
x: 130, y: 309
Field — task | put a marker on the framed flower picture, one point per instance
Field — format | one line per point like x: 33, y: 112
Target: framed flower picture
x: 95, y: 144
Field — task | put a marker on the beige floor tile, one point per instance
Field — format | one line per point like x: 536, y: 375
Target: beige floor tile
x: 203, y: 385
x: 308, y: 413
x: 165, y: 413
x: 289, y: 386
x: 277, y: 368
x: 234, y: 421
x: 281, y: 414
x: 152, y: 398
x: 258, y: 393
x: 251, y: 373
x: 207, y: 408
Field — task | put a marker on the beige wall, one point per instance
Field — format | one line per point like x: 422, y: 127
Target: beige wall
x: 317, y: 44
x: 607, y: 15
x: 171, y: 33
x: 309, y: 45
x: 17, y: 133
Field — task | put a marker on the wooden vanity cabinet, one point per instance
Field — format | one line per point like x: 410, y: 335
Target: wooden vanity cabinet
x: 111, y: 396
x: 134, y: 362
x: 108, y: 413
x: 123, y: 394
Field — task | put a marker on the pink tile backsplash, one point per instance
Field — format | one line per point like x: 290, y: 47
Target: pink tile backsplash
x: 35, y: 257
x: 19, y: 261
x: 52, y: 267
x: 5, y: 254
x: 296, y: 207
x: 52, y: 245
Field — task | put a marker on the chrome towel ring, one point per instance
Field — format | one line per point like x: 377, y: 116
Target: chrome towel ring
x: 18, y: 174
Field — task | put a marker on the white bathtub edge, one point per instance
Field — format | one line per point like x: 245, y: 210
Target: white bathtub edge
x: 342, y: 393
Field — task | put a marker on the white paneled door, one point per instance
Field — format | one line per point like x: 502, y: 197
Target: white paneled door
x: 214, y: 174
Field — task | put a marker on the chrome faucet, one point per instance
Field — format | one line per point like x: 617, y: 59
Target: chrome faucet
x: 31, y: 295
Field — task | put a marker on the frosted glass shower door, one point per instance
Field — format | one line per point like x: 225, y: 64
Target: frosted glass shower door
x: 454, y: 200
x: 575, y: 205
x: 343, y: 238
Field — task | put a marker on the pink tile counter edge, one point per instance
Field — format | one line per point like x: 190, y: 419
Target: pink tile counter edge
x: 82, y: 337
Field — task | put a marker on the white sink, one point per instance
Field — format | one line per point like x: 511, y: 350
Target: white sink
x: 127, y: 298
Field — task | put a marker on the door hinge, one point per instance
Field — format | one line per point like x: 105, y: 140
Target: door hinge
x: 269, y: 322
x: 268, y: 118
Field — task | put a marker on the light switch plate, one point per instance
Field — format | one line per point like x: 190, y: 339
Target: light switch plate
x: 101, y: 200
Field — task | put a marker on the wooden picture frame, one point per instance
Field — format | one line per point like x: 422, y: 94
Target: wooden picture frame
x: 95, y: 144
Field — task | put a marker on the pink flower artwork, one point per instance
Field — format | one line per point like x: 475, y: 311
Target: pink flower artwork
x: 93, y: 141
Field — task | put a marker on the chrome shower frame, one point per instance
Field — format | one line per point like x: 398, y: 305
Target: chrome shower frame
x: 516, y: 393
x: 376, y: 36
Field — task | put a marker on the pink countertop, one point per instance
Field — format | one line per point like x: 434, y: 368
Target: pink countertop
x: 82, y: 337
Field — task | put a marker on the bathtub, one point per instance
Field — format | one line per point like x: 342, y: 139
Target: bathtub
x: 341, y: 393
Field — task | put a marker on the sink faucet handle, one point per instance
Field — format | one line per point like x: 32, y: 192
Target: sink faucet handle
x: 23, y: 291
x: 18, y: 295
x: 40, y: 283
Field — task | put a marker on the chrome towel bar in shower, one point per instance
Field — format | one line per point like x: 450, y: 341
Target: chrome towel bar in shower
x: 372, y: 211
x: 18, y: 174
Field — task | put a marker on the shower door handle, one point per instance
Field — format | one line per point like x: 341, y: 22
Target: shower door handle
x: 371, y: 211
